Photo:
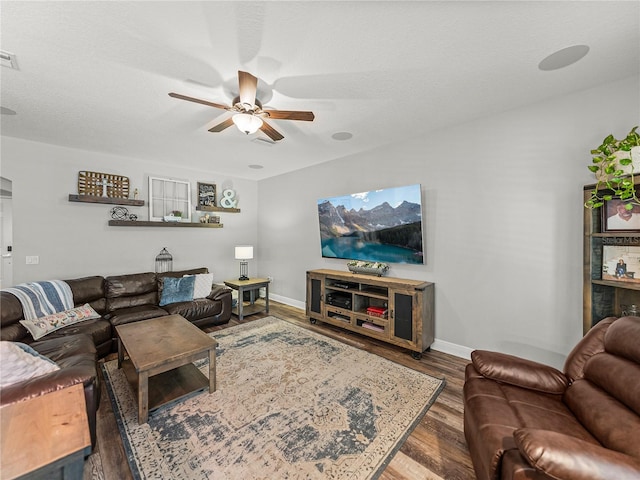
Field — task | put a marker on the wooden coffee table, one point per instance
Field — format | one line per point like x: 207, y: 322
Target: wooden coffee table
x: 159, y: 368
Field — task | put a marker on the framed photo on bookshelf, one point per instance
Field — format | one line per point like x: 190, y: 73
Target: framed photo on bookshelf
x: 621, y: 263
x: 616, y: 217
x: 206, y: 194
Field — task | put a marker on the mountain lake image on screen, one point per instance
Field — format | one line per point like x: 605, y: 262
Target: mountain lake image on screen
x: 377, y: 226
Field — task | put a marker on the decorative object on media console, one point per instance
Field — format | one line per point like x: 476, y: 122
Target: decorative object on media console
x: 248, y: 114
x: 228, y: 199
x: 164, y: 261
x: 368, y: 268
x: 244, y: 253
x: 615, y: 163
x: 100, y: 184
x: 382, y: 225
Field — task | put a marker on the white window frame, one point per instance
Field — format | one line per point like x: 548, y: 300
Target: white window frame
x: 162, y: 201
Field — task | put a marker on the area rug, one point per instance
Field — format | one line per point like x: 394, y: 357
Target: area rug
x: 290, y: 404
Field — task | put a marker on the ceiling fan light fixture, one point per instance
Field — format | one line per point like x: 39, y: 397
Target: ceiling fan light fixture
x: 247, y: 123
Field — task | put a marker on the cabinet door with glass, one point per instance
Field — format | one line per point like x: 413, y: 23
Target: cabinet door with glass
x: 167, y: 196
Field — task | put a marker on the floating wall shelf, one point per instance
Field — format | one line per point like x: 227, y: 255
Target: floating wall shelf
x: 218, y: 209
x: 126, y: 223
x: 106, y: 200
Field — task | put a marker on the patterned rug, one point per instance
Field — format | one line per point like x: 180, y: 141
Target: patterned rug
x: 290, y: 404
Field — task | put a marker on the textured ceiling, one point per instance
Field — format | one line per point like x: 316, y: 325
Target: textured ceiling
x: 95, y: 75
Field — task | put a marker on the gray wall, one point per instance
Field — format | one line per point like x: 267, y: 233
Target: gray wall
x: 502, y: 200
x: 73, y: 239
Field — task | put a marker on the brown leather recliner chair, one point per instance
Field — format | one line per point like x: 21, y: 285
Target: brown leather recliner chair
x: 525, y: 420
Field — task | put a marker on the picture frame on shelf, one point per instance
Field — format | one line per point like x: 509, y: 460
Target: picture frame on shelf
x: 617, y: 218
x: 621, y: 263
x: 206, y: 194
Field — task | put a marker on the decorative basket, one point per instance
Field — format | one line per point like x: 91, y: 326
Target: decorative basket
x: 368, y: 268
x: 93, y: 183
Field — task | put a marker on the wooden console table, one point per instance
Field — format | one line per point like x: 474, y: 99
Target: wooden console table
x: 46, y: 436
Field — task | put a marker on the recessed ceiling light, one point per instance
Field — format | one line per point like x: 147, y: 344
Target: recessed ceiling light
x: 256, y: 167
x: 342, y: 136
x: 563, y: 58
x: 7, y: 111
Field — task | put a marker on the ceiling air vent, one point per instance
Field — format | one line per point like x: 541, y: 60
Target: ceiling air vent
x: 8, y: 60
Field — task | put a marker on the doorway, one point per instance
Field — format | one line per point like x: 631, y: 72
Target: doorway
x: 6, y: 232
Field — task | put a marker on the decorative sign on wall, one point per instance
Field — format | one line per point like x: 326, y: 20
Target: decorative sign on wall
x: 103, y: 184
x: 206, y: 194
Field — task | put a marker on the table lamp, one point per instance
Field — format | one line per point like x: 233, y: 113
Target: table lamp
x: 244, y: 253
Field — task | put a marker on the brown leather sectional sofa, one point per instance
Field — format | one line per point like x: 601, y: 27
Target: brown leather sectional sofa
x: 119, y: 299
x: 525, y: 420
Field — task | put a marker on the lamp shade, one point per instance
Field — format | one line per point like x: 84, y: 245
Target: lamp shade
x: 244, y: 252
x: 247, y: 123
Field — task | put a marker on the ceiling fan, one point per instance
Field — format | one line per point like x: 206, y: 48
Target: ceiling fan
x: 248, y: 114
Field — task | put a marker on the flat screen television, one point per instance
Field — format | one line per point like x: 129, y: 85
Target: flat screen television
x: 378, y: 226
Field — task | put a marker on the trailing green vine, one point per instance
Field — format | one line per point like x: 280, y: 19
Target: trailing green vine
x: 609, y: 162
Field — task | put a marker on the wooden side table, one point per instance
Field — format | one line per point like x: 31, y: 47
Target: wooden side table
x: 252, y: 285
x: 45, y: 436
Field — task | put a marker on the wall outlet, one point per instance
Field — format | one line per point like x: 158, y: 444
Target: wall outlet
x: 33, y: 260
x: 270, y: 279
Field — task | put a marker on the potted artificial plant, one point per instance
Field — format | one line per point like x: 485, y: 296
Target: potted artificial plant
x: 613, y: 166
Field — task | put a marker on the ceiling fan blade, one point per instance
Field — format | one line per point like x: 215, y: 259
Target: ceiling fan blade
x: 197, y: 100
x: 271, y: 132
x: 248, y: 87
x: 221, y: 126
x: 290, y: 115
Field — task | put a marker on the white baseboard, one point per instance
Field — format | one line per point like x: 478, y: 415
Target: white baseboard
x: 452, y: 349
x: 287, y: 301
x: 439, y: 345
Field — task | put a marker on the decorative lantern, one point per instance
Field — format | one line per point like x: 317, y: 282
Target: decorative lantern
x: 164, y: 261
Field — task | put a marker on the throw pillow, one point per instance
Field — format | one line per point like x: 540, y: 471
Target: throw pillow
x: 177, y: 290
x: 21, y: 362
x: 203, y: 284
x: 42, y: 326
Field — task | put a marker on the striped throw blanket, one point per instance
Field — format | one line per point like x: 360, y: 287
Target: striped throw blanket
x: 40, y: 299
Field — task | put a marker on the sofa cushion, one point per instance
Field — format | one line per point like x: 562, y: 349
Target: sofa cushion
x: 562, y: 456
x: 177, y: 290
x: 134, y: 314
x: 203, y: 285
x: 520, y: 372
x: 613, y: 424
x: 42, y: 326
x: 125, y: 291
x: 20, y: 362
x: 89, y: 290
x: 195, y: 309
x: 98, y: 329
x: 591, y: 344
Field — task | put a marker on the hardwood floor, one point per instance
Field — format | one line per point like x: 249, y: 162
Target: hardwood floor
x: 436, y: 449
